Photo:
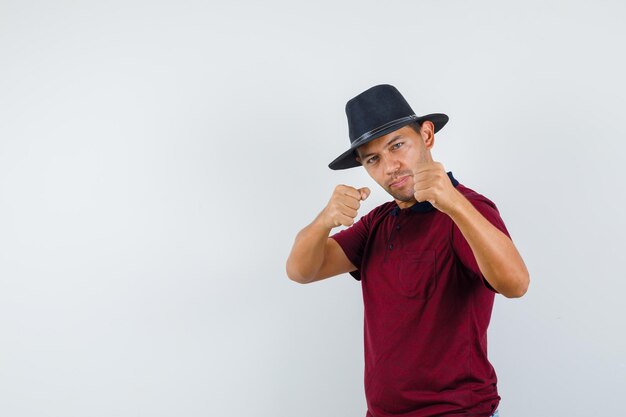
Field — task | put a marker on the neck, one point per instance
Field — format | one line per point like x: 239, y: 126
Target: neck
x: 406, y: 204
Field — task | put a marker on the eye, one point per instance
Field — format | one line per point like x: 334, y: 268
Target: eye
x: 372, y: 159
x: 396, y: 145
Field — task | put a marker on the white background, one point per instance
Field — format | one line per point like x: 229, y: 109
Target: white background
x: 157, y: 159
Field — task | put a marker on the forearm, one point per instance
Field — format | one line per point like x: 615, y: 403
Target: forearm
x: 307, y: 253
x: 495, y: 253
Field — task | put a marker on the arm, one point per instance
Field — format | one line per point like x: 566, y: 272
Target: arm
x: 314, y: 255
x: 496, y: 255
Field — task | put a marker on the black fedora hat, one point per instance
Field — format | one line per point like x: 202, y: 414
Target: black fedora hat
x: 374, y: 113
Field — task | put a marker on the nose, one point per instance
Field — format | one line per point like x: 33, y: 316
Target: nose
x: 392, y: 165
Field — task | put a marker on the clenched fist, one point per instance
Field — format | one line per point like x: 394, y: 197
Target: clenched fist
x: 431, y: 183
x: 343, y: 206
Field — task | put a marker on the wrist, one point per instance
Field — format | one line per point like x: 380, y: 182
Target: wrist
x: 457, y: 204
x: 320, y: 223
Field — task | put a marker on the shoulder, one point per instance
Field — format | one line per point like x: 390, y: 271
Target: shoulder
x: 474, y: 196
x: 485, y: 206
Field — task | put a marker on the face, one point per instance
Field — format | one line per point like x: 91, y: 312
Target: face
x: 390, y: 159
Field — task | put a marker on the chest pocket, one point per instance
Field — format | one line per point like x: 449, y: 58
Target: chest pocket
x: 416, y: 274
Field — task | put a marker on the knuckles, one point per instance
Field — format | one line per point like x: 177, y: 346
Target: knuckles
x: 341, y: 188
x: 338, y: 211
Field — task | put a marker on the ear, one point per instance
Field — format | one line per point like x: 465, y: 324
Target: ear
x: 427, y: 131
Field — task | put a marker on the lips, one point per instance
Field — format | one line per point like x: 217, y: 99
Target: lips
x: 400, y: 182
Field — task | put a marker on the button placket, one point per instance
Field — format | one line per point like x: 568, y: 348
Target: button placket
x: 392, y: 237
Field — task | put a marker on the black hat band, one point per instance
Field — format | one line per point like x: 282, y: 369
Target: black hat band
x: 365, y: 136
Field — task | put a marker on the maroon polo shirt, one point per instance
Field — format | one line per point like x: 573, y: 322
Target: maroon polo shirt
x: 426, y: 311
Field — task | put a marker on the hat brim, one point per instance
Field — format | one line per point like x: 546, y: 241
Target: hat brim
x: 348, y: 158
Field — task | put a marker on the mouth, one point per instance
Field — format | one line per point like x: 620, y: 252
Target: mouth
x: 399, y: 182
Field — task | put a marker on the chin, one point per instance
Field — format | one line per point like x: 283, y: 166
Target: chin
x: 402, y: 197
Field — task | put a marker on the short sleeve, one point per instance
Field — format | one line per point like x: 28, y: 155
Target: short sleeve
x: 461, y: 247
x: 352, y: 240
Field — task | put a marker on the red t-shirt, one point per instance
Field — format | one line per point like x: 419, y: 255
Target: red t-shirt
x: 426, y: 311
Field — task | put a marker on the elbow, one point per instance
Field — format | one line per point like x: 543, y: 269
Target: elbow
x: 520, y: 289
x: 295, y: 276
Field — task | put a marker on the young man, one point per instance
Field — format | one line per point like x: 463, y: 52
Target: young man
x: 430, y: 263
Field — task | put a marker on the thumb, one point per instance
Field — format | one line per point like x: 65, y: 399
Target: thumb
x: 365, y: 192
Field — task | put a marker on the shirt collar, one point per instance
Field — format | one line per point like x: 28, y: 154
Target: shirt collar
x: 423, y: 206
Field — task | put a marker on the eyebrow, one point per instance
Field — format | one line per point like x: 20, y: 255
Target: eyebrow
x: 387, y: 144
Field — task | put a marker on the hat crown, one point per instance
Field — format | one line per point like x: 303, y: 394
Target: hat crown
x: 374, y: 108
x: 376, y: 112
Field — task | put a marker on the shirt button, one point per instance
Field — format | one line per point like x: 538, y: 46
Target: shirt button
x: 398, y: 227
x: 391, y: 246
